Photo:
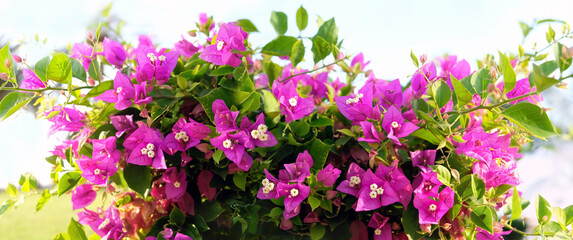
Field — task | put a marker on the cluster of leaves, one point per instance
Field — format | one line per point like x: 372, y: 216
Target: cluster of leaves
x: 212, y: 188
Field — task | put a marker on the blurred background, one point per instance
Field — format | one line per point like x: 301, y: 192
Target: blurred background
x: 385, y: 31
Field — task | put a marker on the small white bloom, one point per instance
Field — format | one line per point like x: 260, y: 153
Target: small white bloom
x: 144, y: 151
x: 227, y: 143
x: 151, y: 154
x: 373, y: 186
x: 433, y: 207
x: 378, y: 231
x: 294, y: 192
x: 266, y: 182
x: 255, y: 134
x: 373, y: 194
x: 263, y: 137
x: 380, y: 191
x: 119, y: 89
x: 150, y: 146
x: 220, y: 45
x: 177, y: 184
x: 292, y: 101
x: 103, y: 224
x: 395, y: 124
x: 97, y: 171
x: 262, y: 128
x: 161, y: 58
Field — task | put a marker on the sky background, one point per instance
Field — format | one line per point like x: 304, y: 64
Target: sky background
x: 386, y: 31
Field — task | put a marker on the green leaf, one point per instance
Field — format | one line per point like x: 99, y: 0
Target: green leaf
x: 210, y: 210
x: 276, y: 212
x: 540, y: 80
x: 177, y: 217
x: 6, y: 205
x: 138, y: 178
x: 568, y: 215
x: 60, y: 69
x: 482, y: 217
x: 414, y: 59
x: 317, y: 232
x: 78, y: 70
x: 550, y: 35
x: 442, y: 93
x: 271, y: 104
x: 426, y: 135
x: 480, y: 81
x: 321, y: 121
x: 41, y: 68
x: 320, y: 49
x: 222, y: 71
x: 524, y: 28
x: 5, y: 54
x: 300, y: 128
x: 11, y: 190
x: 563, y: 62
x: 247, y: 25
x: 328, y: 31
x: 12, y: 103
x: 191, y: 231
x: 43, y: 200
x: 314, y: 202
x: 347, y: 132
x: 462, y: 94
x: 182, y: 82
x: 542, y: 209
x: 217, y: 156
x: 471, y: 185
x: 106, y: 9
x: 444, y: 175
x: 272, y: 70
x: 508, y: 73
x: 62, y: 236
x: 531, y: 118
x: 301, y: 18
x: 240, y: 180
x: 559, y: 215
x: 99, y: 89
x: 68, y: 181
x: 280, y: 46
x: 410, y: 222
x: 319, y: 152
x: 93, y: 70
x: 515, y: 205
x: 76, y: 230
x: 297, y: 52
x: 548, y: 67
x: 279, y: 22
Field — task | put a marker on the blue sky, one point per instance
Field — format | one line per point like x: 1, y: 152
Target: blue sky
x: 386, y: 31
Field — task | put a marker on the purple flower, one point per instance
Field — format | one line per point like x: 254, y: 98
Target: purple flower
x: 97, y: 170
x: 114, y: 52
x: 185, y: 135
x: 67, y: 119
x: 123, y: 124
x: 359, y: 59
x: 382, y: 229
x: 230, y: 37
x: 141, y: 91
x: 106, y: 148
x: 84, y: 53
x: 391, y: 94
x: 233, y: 147
x: 432, y: 209
x: 108, y: 227
x: 268, y: 190
x: 353, y: 180
x: 185, y: 48
x: 292, y: 105
x: 318, y: 85
x: 168, y: 234
x: 497, y: 234
x: 460, y: 70
x: 328, y: 175
x: 397, y: 180
x: 422, y: 77
x: 522, y: 87
x: 152, y: 65
x: 499, y: 170
x: 429, y: 185
x: 294, y: 195
x: 31, y: 81
x: 395, y: 125
x: 175, y: 183
x: 83, y: 195
x: 203, y: 183
x: 261, y: 81
x: 258, y: 132
x: 146, y: 146
x: 374, y: 193
x: 423, y: 159
x: 122, y: 94
x: 225, y: 120
x: 358, y: 108
x: 337, y: 85
x: 371, y: 134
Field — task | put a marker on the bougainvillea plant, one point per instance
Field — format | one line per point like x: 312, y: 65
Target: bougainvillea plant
x: 217, y: 139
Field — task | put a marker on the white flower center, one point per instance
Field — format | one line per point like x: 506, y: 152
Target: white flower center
x: 227, y: 143
x: 373, y: 186
x: 294, y: 192
x: 255, y: 134
x: 151, y: 57
x: 97, y: 171
x: 433, y: 207
x: 266, y: 182
x: 144, y: 151
x: 161, y: 58
x: 262, y: 128
x: 380, y: 191
x: 373, y: 194
x: 395, y: 124
x: 182, y: 136
x: 355, y: 99
x: 292, y: 101
x: 264, y: 137
x: 177, y: 184
x: 378, y: 231
x: 354, y: 180
x: 103, y: 224
x: 150, y: 147
x: 119, y: 89
x: 151, y: 154
x: 220, y: 45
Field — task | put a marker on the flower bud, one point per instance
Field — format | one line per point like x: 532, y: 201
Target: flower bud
x: 561, y: 85
x: 192, y: 33
x: 89, y: 35
x: 8, y: 63
x: 91, y: 81
x: 426, y: 228
x: 492, y: 72
x: 423, y: 58
x: 17, y: 58
x: 4, y: 76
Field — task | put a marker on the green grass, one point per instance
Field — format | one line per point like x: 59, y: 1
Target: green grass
x: 23, y: 223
